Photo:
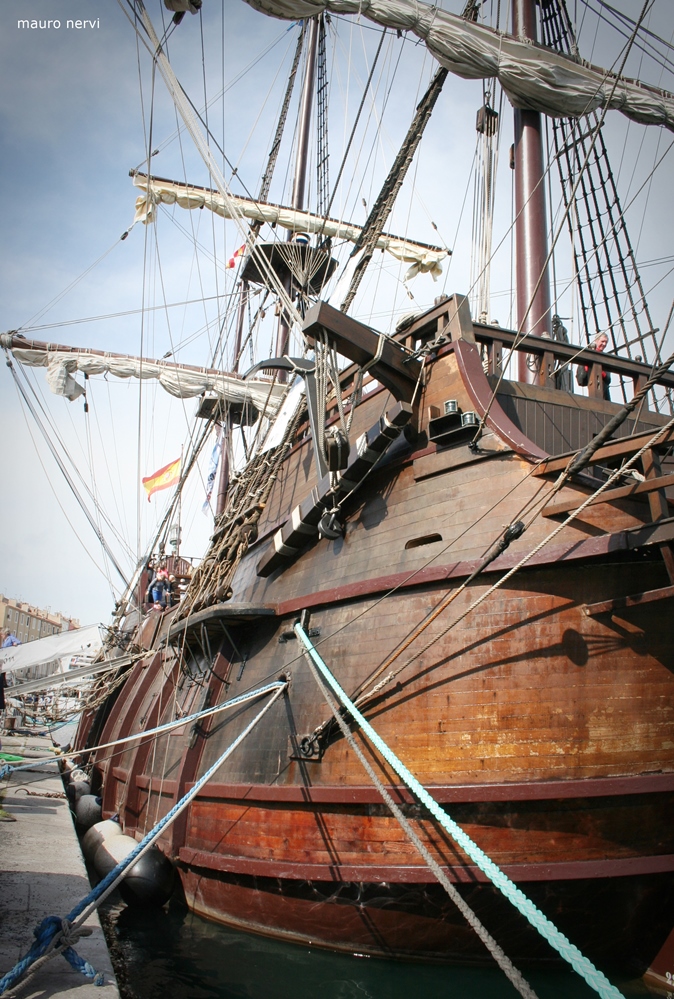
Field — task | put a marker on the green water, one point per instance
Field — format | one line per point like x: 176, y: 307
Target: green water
x: 170, y: 952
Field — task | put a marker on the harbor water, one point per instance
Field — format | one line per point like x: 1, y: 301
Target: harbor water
x: 172, y: 952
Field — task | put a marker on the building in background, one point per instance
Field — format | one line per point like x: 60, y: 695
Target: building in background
x: 29, y: 623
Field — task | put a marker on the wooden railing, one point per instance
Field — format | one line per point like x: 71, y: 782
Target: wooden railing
x: 451, y: 320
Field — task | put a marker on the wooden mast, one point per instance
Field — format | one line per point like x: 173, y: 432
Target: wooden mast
x: 299, y: 183
x: 531, y: 241
x: 297, y: 201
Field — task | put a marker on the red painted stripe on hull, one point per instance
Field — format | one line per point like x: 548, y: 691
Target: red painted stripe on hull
x: 590, y: 787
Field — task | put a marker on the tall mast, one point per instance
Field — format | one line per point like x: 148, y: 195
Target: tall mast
x: 531, y: 240
x: 299, y: 182
x: 223, y: 482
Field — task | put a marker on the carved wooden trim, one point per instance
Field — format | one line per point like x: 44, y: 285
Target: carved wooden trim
x: 480, y: 391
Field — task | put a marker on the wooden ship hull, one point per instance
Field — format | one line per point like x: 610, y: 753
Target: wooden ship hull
x: 541, y: 721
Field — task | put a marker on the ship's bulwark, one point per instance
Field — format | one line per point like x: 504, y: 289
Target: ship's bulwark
x: 545, y: 732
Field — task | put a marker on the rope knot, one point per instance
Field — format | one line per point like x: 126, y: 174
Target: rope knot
x: 69, y: 936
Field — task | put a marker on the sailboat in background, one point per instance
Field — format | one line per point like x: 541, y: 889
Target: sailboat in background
x: 482, y: 556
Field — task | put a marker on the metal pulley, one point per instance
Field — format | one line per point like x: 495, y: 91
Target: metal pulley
x: 330, y: 527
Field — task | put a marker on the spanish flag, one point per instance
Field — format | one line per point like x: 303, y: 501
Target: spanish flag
x: 237, y: 253
x: 166, y: 477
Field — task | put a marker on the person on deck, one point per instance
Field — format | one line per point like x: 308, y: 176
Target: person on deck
x: 160, y: 590
x: 8, y: 639
x: 583, y: 370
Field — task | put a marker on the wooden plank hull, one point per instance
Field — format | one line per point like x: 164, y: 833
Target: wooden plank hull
x: 545, y: 731
x: 418, y: 922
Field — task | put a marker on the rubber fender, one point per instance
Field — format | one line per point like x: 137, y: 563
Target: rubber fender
x: 76, y: 789
x: 99, y: 833
x: 110, y: 853
x: 150, y: 881
x: 88, y: 810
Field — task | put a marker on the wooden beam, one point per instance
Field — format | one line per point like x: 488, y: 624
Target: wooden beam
x: 395, y: 369
x: 537, y: 870
x: 365, y: 794
x: 616, y: 449
x: 457, y: 321
x: 622, y: 603
x: 623, y: 492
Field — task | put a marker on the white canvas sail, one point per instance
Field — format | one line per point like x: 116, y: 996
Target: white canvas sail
x: 425, y: 259
x: 535, y: 78
x: 181, y: 381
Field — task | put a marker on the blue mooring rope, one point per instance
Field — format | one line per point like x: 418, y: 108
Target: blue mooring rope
x: 44, y: 933
x: 50, y: 926
x: 594, y: 978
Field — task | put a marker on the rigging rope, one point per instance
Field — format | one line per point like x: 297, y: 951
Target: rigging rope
x: 129, y: 593
x: 190, y: 117
x: 583, y: 459
x: 523, y: 561
x: 376, y: 220
x: 40, y: 403
x: 66, y: 474
x: 599, y: 199
x: 571, y: 200
x: 322, y: 158
x: 524, y: 905
x: 236, y: 528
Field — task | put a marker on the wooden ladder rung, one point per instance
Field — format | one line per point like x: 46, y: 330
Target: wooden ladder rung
x: 621, y: 492
x: 622, y: 603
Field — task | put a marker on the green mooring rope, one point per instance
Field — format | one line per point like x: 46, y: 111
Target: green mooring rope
x: 594, y: 978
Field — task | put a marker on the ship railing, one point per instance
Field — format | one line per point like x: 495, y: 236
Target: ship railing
x: 555, y: 356
x: 445, y: 322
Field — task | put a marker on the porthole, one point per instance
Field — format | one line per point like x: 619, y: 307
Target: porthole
x: 428, y: 539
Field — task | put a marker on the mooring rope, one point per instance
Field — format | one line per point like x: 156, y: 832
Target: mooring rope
x: 497, y: 952
x: 524, y: 905
x: 54, y: 932
x: 166, y: 727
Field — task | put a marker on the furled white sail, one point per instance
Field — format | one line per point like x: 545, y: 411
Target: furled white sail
x: 423, y: 258
x: 535, y: 78
x: 179, y: 380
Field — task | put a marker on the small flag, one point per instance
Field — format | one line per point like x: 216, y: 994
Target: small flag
x: 166, y: 477
x: 237, y: 253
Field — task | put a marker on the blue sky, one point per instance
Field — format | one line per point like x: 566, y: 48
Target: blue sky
x: 74, y: 119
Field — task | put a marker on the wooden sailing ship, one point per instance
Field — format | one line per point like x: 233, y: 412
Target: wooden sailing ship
x: 535, y: 706
x: 541, y: 722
